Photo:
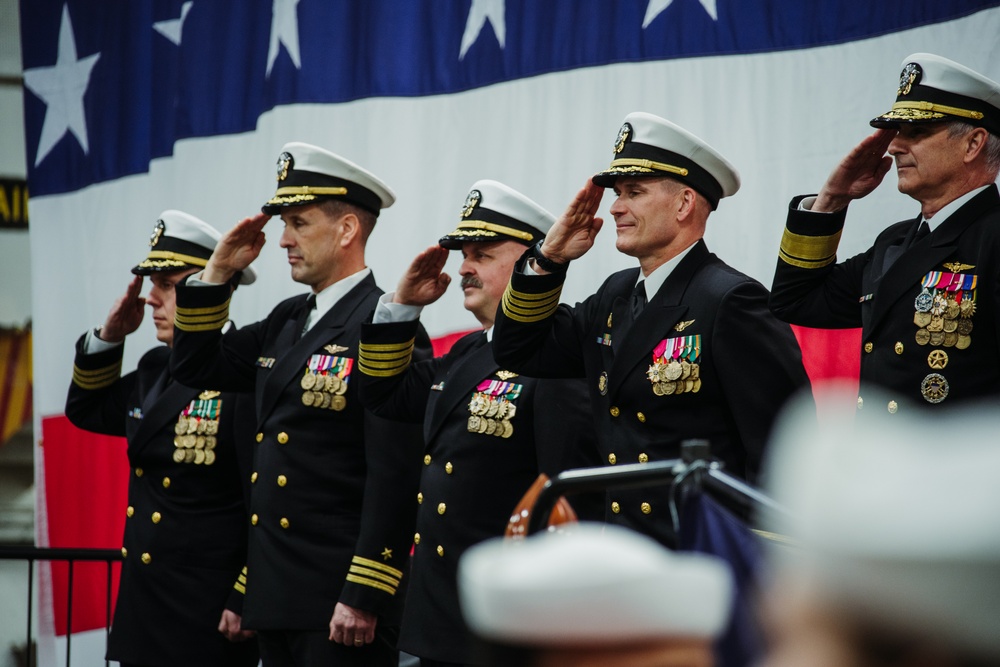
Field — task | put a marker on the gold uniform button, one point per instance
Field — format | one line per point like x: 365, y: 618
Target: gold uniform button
x: 612, y: 459
x: 643, y: 458
x: 416, y: 538
x: 253, y: 477
x: 124, y: 552
x: 646, y: 508
x: 869, y: 347
x: 138, y: 472
x: 641, y: 417
x: 283, y: 522
x: 166, y: 482
x: 146, y: 558
x: 282, y: 480
x: 615, y: 411
x: 616, y: 508
x: 156, y: 517
x: 129, y: 511
x: 253, y: 519
x: 892, y: 407
x: 440, y: 550
x: 420, y: 498
x: 898, y: 347
x: 449, y: 468
x: 427, y: 459
x: 260, y: 437
x: 441, y: 508
x: 282, y: 438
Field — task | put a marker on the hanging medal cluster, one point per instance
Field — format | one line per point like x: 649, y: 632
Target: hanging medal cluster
x: 944, y: 310
x: 675, y: 368
x: 325, y: 382
x: 196, y: 430
x: 492, y: 408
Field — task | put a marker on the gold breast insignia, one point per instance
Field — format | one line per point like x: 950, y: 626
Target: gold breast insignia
x: 957, y: 267
x: 681, y: 326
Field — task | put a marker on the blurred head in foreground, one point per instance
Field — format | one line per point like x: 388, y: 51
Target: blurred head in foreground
x: 593, y: 595
x: 895, y: 556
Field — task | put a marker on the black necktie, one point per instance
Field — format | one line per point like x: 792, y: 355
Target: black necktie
x: 300, y: 323
x: 638, y: 299
x: 922, y: 231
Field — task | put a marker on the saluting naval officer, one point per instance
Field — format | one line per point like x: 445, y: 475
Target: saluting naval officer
x: 704, y: 358
x: 185, y: 527
x: 926, y: 293
x: 489, y: 432
x: 332, y: 521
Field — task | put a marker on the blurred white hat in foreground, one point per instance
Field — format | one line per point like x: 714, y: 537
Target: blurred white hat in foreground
x: 895, y: 520
x: 591, y: 583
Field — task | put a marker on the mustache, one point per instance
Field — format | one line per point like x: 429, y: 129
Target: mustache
x: 470, y: 281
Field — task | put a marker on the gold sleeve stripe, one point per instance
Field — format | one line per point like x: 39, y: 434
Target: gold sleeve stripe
x: 202, y: 319
x: 372, y: 574
x: 384, y: 365
x: 375, y: 565
x: 527, y: 316
x: 371, y: 372
x: 374, y: 584
x: 395, y: 354
x: 528, y: 296
x: 99, y: 379
x: 809, y: 252
x: 387, y: 347
x: 221, y: 309
x: 519, y: 308
x: 241, y: 587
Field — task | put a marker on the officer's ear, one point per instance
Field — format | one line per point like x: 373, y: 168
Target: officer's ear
x: 975, y: 143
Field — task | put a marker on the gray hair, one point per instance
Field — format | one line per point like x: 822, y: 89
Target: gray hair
x: 991, y: 149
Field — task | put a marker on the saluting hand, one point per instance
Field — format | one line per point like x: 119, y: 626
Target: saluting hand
x: 126, y: 314
x: 236, y: 250
x: 575, y: 231
x: 424, y: 282
x: 858, y: 174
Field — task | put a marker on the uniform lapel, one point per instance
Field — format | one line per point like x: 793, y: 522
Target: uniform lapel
x: 291, y: 365
x: 905, y: 274
x: 475, y: 362
x: 164, y: 408
x: 663, y: 311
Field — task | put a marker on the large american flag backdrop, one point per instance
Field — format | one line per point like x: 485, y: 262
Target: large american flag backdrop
x: 136, y: 106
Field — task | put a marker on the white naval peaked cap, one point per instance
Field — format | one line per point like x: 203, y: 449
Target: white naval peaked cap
x: 308, y: 174
x: 496, y: 212
x: 933, y: 89
x: 896, y: 519
x: 181, y: 241
x: 591, y: 583
x: 648, y: 145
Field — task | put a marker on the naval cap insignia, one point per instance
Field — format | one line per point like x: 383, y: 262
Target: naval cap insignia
x: 623, y: 135
x: 471, y: 201
x: 285, y: 162
x: 909, y: 77
x: 154, y: 238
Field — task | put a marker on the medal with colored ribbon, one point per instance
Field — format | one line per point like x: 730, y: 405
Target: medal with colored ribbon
x: 196, y: 430
x: 492, y: 408
x: 675, y: 368
x: 325, y: 381
x: 944, y: 309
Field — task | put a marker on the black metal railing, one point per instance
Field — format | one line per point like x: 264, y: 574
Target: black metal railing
x: 695, y: 469
x: 69, y: 556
